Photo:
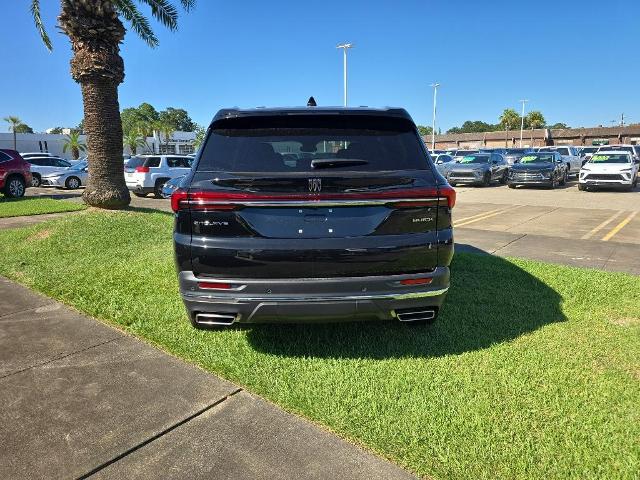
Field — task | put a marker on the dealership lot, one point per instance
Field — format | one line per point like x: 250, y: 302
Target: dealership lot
x: 588, y: 229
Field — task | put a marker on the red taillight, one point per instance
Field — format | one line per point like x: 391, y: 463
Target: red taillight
x: 450, y: 194
x: 408, y: 198
x: 416, y: 281
x: 142, y: 169
x: 214, y: 285
x: 179, y: 200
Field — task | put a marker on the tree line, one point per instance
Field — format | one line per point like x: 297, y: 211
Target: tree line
x: 509, y: 120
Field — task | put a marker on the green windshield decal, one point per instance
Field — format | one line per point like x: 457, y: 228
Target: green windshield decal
x: 599, y: 158
x: 468, y: 159
x: 528, y: 158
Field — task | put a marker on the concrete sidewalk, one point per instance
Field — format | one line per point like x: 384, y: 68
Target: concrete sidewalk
x: 82, y: 399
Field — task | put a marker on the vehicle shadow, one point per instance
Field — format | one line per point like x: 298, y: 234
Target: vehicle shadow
x: 491, y: 301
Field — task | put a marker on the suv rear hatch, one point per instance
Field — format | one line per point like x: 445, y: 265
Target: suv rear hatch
x: 313, y: 196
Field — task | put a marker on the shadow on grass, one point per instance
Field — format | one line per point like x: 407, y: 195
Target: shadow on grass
x: 491, y: 300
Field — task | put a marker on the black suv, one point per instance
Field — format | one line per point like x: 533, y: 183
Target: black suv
x: 313, y: 214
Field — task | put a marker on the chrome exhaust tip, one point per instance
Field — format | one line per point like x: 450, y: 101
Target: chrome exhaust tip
x: 223, y: 319
x: 415, y: 315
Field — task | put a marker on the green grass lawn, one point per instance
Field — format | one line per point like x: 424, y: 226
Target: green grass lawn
x: 15, y: 207
x: 532, y: 370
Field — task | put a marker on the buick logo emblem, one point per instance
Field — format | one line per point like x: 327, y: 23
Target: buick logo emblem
x: 315, y: 185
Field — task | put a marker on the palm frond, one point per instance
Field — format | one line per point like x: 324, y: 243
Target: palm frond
x: 164, y: 12
x: 188, y: 4
x: 37, y: 18
x: 138, y: 21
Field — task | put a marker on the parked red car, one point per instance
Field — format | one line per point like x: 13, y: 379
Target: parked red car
x: 15, y: 173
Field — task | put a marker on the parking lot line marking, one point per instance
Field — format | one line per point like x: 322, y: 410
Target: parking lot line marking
x: 484, y: 217
x: 590, y: 234
x: 482, y: 214
x: 618, y: 227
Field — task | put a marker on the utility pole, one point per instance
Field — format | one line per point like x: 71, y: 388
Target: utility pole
x: 433, y: 123
x: 522, y: 121
x: 622, y: 120
x: 345, y: 47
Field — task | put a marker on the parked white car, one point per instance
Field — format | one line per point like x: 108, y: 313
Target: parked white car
x: 71, y: 178
x: 570, y: 155
x: 41, y: 166
x: 146, y: 174
x: 609, y: 168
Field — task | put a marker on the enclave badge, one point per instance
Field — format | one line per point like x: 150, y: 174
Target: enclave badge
x: 315, y: 185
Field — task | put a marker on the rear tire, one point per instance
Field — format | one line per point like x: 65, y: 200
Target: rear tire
x: 138, y: 194
x: 512, y: 185
x: 36, y: 181
x: 504, y: 178
x: 157, y: 190
x: 15, y: 187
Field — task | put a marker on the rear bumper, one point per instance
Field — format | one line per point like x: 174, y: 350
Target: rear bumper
x: 134, y: 187
x: 313, y: 299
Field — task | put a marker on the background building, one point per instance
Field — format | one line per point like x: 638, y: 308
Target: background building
x: 178, y: 142
x: 540, y: 137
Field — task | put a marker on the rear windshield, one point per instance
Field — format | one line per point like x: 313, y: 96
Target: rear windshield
x: 310, y: 143
x: 143, y: 161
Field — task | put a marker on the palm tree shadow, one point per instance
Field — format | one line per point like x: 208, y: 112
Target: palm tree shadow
x: 491, y: 300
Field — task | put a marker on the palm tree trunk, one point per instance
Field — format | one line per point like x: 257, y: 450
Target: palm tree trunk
x: 15, y: 141
x: 106, y: 187
x: 95, y: 32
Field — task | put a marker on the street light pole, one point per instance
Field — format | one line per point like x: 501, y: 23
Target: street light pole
x: 433, y: 123
x: 345, y: 47
x: 522, y: 121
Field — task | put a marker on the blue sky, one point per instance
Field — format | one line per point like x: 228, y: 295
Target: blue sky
x: 486, y: 55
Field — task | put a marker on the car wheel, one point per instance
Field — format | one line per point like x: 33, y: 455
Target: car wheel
x: 563, y: 182
x: 504, y: 178
x: 15, y: 187
x: 157, y: 191
x: 486, y: 180
x: 141, y: 195
x: 512, y: 185
x: 72, y: 183
x: 582, y: 187
x: 36, y: 181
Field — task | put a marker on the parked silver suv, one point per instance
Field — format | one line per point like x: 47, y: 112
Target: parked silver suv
x: 146, y: 174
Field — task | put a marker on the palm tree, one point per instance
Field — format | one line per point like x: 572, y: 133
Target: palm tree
x: 73, y: 142
x: 133, y: 141
x: 535, y: 119
x: 95, y: 30
x: 13, y: 124
x: 166, y: 129
x: 508, y: 120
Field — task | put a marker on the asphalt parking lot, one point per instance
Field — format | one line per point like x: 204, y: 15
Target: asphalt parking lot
x: 598, y: 229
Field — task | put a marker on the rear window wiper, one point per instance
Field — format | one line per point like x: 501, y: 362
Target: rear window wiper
x: 336, y: 162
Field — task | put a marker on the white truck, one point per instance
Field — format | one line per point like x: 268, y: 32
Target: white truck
x: 570, y: 156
